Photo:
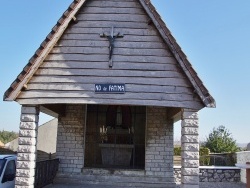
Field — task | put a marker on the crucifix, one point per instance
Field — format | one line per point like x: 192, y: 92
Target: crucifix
x: 111, y: 39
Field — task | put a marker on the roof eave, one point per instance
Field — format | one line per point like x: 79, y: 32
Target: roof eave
x: 180, y: 56
x: 210, y: 102
x: 13, y: 91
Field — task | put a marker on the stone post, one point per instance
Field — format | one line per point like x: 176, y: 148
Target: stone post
x: 248, y: 176
x: 27, y: 141
x: 190, y: 150
x: 159, y: 145
x: 70, y: 139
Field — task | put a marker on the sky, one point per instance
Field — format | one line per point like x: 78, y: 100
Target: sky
x: 215, y: 36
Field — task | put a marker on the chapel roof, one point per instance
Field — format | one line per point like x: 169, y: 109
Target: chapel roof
x: 62, y: 24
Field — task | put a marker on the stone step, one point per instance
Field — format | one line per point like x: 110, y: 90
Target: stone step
x: 126, y: 172
x: 101, y: 171
x: 104, y: 178
x: 118, y: 179
x: 116, y: 183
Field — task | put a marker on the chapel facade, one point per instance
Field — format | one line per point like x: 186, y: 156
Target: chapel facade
x: 117, y: 81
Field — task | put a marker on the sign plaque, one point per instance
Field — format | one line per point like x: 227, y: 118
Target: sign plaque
x: 110, y: 88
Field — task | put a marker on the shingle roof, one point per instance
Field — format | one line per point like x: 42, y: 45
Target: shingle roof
x: 22, y: 79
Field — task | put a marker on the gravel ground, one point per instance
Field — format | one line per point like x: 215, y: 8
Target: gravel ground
x: 202, y: 185
x: 222, y: 185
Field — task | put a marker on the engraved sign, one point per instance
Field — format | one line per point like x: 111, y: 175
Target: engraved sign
x: 110, y: 88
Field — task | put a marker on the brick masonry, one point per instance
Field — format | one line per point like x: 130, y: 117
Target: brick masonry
x: 26, y: 158
x: 159, y: 144
x: 70, y: 139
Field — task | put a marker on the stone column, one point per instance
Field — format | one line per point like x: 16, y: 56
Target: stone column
x: 190, y: 150
x: 159, y: 145
x: 27, y: 141
x: 70, y: 139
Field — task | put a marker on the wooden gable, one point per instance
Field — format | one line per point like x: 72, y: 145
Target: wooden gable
x: 142, y: 60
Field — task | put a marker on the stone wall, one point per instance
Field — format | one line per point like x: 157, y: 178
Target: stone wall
x: 213, y: 174
x: 70, y: 139
x: 242, y: 158
x: 177, y: 174
x: 159, y: 143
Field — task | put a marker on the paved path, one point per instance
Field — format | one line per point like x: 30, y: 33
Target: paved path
x: 221, y: 185
x: 202, y: 185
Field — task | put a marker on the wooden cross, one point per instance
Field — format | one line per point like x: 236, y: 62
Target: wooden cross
x: 111, y: 39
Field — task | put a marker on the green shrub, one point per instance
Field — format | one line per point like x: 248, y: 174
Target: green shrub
x: 204, y: 151
x: 204, y: 156
x: 177, y: 151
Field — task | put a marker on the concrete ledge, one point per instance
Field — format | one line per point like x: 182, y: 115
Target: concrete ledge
x: 243, y: 152
x: 215, y: 167
x: 220, y: 167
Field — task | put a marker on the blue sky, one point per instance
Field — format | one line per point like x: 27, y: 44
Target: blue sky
x: 213, y: 34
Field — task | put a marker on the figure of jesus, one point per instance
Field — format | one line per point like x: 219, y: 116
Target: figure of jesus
x: 111, y: 39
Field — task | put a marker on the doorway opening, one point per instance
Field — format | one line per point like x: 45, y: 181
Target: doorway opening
x: 115, y: 137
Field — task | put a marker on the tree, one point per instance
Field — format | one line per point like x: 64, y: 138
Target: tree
x: 6, y: 136
x: 220, y: 140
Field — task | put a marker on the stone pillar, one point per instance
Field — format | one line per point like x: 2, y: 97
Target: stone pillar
x: 70, y: 139
x: 159, y: 144
x: 242, y: 158
x: 190, y: 150
x: 248, y: 176
x: 26, y: 157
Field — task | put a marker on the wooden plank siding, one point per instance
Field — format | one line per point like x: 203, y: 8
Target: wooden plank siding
x: 141, y: 60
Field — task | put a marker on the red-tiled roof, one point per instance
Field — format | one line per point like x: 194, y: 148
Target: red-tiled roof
x: 30, y: 68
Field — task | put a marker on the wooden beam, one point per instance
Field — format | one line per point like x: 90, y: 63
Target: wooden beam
x: 180, y: 104
x: 74, y: 20
x: 174, y: 113
x: 54, y: 109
